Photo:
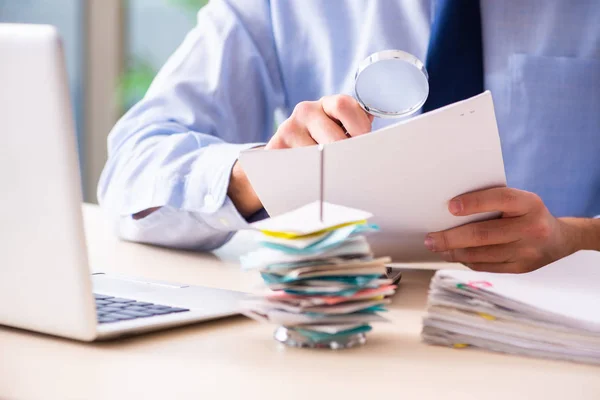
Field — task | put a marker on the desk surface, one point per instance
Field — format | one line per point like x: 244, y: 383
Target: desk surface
x: 237, y: 357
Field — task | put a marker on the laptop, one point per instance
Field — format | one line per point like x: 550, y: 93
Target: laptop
x: 45, y: 281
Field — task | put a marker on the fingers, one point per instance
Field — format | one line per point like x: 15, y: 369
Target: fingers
x: 476, y: 234
x: 348, y: 112
x: 324, y: 121
x: 291, y: 133
x: 513, y: 267
x: 506, y: 268
x: 526, y: 238
x: 310, y: 119
x: 511, y: 202
x: 503, y: 253
x: 323, y: 130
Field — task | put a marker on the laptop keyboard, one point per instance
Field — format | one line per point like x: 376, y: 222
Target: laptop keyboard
x: 115, y: 309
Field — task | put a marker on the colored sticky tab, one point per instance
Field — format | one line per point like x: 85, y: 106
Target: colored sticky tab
x: 474, y: 285
x: 479, y: 284
x: 460, y: 345
x: 487, y: 316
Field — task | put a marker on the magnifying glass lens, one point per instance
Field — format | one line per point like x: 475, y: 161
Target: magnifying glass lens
x: 391, y: 84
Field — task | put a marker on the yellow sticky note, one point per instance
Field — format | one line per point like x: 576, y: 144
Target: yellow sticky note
x: 306, y: 220
x: 295, y: 235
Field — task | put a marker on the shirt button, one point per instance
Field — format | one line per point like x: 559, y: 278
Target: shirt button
x: 224, y: 222
x: 209, y: 200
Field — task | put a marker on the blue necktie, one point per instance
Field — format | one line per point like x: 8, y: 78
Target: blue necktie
x: 455, y: 55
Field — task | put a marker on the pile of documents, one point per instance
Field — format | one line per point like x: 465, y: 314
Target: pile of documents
x: 325, y: 286
x: 553, y: 312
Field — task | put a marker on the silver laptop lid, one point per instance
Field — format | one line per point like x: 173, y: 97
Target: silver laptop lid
x: 44, y: 276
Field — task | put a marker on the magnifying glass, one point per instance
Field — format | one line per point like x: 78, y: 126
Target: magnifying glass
x: 388, y: 84
x: 391, y: 84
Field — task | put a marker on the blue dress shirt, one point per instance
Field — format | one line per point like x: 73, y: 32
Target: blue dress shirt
x: 249, y: 62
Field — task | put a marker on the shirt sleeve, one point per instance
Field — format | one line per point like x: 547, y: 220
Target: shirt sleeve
x: 215, y: 97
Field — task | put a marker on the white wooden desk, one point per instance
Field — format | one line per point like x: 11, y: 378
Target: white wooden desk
x: 237, y: 358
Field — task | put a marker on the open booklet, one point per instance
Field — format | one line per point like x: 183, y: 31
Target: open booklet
x: 553, y: 312
x: 404, y: 174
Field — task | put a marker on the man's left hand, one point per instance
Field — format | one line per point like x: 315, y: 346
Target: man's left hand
x: 525, y: 238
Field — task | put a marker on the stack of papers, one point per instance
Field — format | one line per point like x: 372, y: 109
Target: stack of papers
x: 324, y: 283
x: 553, y: 312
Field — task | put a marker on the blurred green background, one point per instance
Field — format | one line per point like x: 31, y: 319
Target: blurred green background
x: 153, y: 30
x: 150, y: 47
x: 139, y: 36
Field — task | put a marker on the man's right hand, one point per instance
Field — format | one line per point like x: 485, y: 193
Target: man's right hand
x: 320, y: 122
x: 330, y: 119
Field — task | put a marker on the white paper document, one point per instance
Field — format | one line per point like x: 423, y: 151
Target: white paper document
x: 553, y: 312
x: 403, y: 174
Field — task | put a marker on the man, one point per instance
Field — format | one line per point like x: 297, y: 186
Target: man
x: 172, y: 177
